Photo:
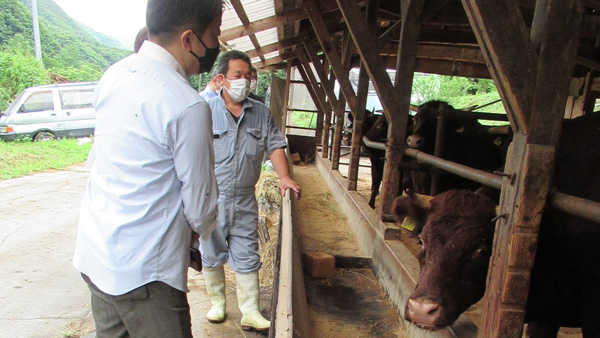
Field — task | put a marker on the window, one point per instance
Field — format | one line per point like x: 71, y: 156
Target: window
x: 74, y: 99
x: 38, y: 102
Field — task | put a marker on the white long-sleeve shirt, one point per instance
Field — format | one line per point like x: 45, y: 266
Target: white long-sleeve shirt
x: 152, y: 177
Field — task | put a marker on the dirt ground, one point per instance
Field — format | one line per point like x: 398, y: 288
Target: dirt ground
x: 364, y: 189
x: 351, y: 304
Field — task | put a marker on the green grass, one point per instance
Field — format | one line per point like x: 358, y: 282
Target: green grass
x: 21, y: 158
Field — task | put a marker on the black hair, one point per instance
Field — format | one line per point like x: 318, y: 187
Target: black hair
x: 165, y: 18
x: 223, y: 65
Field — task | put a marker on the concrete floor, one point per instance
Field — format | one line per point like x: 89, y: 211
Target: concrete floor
x: 41, y: 294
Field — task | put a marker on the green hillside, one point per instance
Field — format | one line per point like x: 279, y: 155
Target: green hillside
x: 70, y: 52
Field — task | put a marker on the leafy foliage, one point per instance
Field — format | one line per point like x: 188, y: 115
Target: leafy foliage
x: 69, y: 51
x: 460, y: 92
x: 17, y: 72
x: 303, y: 119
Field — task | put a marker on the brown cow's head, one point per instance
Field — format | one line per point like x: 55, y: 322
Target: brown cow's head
x: 455, y: 235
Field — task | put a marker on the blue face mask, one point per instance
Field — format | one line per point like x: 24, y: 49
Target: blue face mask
x: 208, y: 60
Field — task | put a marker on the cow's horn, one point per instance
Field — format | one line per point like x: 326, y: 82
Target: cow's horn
x: 422, y: 201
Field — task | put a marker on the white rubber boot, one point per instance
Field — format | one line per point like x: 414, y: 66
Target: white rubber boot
x: 214, y: 278
x: 247, y: 295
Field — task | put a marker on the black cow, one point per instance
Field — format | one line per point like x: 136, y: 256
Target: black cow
x: 466, y: 141
x: 375, y: 128
x: 456, y: 235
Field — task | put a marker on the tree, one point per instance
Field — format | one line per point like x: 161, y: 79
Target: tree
x: 17, y: 72
x: 460, y: 92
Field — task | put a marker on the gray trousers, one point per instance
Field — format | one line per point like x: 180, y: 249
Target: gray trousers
x: 152, y: 310
x: 235, y: 240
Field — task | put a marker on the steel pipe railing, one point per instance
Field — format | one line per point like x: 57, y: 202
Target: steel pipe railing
x: 478, y: 176
x: 575, y: 206
x: 374, y: 145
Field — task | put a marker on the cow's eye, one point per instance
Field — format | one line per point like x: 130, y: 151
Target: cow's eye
x: 420, y: 241
x: 480, y: 252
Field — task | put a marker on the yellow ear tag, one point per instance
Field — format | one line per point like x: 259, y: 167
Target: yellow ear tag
x: 408, y: 224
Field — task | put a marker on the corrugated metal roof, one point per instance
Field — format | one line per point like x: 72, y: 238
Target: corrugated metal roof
x: 255, y: 10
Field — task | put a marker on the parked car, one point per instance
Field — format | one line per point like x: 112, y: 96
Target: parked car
x: 51, y: 111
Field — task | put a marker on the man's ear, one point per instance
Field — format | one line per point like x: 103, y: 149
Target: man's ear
x: 221, y: 80
x: 186, y: 39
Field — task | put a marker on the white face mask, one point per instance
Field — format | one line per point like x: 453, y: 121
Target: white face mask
x: 253, y: 85
x: 239, y: 89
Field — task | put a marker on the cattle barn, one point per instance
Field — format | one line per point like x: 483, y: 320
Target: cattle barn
x: 543, y: 56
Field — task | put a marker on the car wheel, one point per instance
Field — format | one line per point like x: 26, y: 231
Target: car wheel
x: 44, y: 136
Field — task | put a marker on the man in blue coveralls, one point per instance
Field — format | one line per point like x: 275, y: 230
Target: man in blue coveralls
x: 243, y: 130
x: 212, y: 88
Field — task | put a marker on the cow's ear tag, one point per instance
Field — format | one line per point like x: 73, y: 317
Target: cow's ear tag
x: 408, y: 224
x: 460, y: 129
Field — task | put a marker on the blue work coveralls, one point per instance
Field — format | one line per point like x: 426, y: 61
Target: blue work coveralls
x: 239, y: 150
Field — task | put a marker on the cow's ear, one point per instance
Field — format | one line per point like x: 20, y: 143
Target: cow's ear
x: 409, y: 215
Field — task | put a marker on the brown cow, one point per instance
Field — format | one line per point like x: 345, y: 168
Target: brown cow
x: 466, y: 142
x: 456, y: 235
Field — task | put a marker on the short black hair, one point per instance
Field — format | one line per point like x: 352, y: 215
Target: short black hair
x: 164, y: 18
x: 223, y: 65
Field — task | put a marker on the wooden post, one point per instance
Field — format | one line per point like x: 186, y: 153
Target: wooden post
x: 396, y: 101
x: 288, y: 75
x: 337, y: 139
x: 310, y: 84
x: 340, y: 111
x: 359, y: 114
x: 534, y: 94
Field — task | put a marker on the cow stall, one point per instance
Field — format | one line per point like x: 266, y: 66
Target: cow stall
x: 542, y: 56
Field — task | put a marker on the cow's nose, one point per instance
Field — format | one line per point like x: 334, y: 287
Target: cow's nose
x: 423, y: 312
x: 414, y: 141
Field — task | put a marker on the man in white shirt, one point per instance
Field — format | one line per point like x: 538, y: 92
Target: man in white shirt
x: 152, y: 182
x: 212, y: 88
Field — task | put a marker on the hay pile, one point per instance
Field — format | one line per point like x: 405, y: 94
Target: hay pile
x: 268, y: 197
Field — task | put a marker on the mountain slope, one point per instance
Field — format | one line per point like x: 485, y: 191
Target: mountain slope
x: 65, y: 42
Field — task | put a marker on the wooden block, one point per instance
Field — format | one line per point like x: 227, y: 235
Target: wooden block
x: 319, y: 264
x: 296, y: 158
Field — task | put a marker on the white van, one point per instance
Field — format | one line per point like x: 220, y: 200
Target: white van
x: 51, y: 111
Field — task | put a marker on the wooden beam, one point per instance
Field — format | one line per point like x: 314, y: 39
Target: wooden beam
x: 339, y: 120
x: 277, y: 20
x: 308, y: 75
x: 395, y: 106
x: 266, y: 49
x: 254, y: 27
x: 595, y: 65
x: 558, y: 48
x: 331, y: 52
x: 241, y: 13
x: 531, y: 159
x: 361, y: 93
x: 314, y: 92
x: 327, y: 85
x: 286, y: 99
x: 367, y: 49
x: 509, y: 54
